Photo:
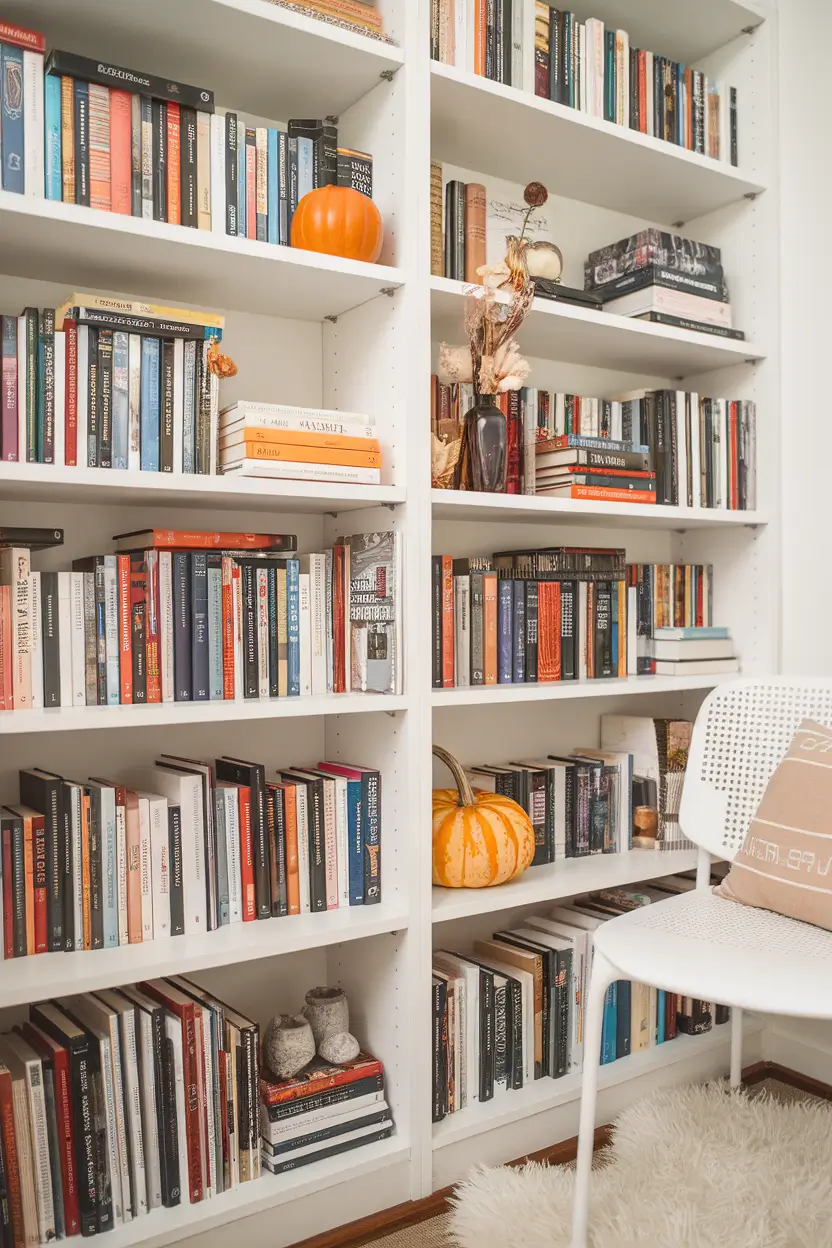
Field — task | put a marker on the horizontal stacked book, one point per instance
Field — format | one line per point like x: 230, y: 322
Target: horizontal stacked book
x: 102, y: 382
x: 511, y: 1010
x: 573, y: 466
x: 592, y: 68
x: 362, y: 14
x: 178, y: 616
x: 484, y: 39
x: 323, y: 1111
x: 270, y: 440
x: 183, y: 847
x: 691, y: 651
x: 663, y: 278
x: 118, y: 1103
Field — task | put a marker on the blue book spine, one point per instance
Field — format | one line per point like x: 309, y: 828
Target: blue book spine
x: 273, y: 234
x: 241, y: 183
x: 215, y: 634
x: 120, y: 398
x: 661, y: 1016
x: 306, y: 176
x: 12, y: 117
x: 355, y: 858
x: 199, y: 627
x: 149, y: 417
x: 52, y: 185
x: 519, y: 635
x: 293, y: 626
x: 110, y: 898
x: 609, y: 1026
x: 623, y: 1018
x: 505, y: 610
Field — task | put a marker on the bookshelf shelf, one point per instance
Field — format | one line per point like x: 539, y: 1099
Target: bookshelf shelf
x: 35, y: 482
x: 546, y: 1094
x: 560, y: 331
x: 527, y: 508
x: 47, y: 974
x: 562, y: 879
x: 511, y: 134
x: 164, y: 714
x: 572, y: 690
x: 664, y: 26
x: 274, y: 62
x: 69, y: 243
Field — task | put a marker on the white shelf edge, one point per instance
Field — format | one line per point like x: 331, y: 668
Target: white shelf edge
x: 545, y: 1094
x: 45, y: 975
x: 497, y: 695
x: 162, y: 714
x: 533, y: 507
x: 541, y: 885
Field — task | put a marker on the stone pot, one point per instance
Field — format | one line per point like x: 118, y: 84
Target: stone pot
x: 288, y: 1045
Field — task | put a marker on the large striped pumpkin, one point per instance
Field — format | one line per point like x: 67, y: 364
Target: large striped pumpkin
x: 479, y: 839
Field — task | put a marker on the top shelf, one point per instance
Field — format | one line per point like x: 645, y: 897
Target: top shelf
x: 669, y: 28
x: 255, y: 56
x: 507, y: 133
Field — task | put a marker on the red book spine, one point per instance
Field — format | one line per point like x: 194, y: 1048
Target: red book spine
x: 71, y: 395
x: 121, y: 170
x: 22, y: 38
x: 154, y: 683
x: 606, y: 494
x: 174, y: 196
x: 12, y: 1169
x: 511, y: 409
x: 291, y: 1090
x: 251, y: 188
x: 29, y: 878
x: 556, y: 635
x: 41, y: 896
x: 247, y: 856
x: 125, y: 631
x: 8, y: 899
x: 6, y: 683
x: 227, y: 629
x: 8, y: 421
x: 63, y: 1096
x: 447, y: 622
x: 339, y: 679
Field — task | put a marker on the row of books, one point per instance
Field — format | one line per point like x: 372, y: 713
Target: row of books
x: 481, y: 39
x: 152, y: 148
x: 323, y: 1111
x: 511, y: 1011
x: 178, y: 616
x: 182, y: 848
x: 111, y: 383
x: 675, y: 632
x: 362, y: 14
x: 124, y: 1101
x: 270, y: 440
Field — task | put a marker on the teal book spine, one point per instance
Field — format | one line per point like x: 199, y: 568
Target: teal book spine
x: 661, y: 1016
x: 108, y: 818
x: 609, y: 1026
x: 11, y: 61
x: 355, y: 834
x: 273, y: 234
x: 52, y: 184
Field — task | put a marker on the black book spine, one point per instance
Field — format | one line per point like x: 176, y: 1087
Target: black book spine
x: 105, y: 398
x: 166, y: 415
x: 459, y: 231
x: 317, y: 842
x: 280, y: 852
x: 92, y: 402
x: 177, y: 894
x: 46, y: 380
x: 82, y: 1076
x: 271, y: 585
x: 371, y: 823
x: 491, y: 39
x: 478, y: 630
x: 487, y: 1047
x: 674, y: 454
x: 735, y: 151
x: 634, y: 89
x: 187, y: 166
x: 138, y: 631
x: 531, y: 632
x: 436, y: 599
x: 440, y: 1076
x: 160, y: 160
x: 332, y: 1096
x: 32, y: 351
x: 50, y: 639
x: 199, y: 632
x: 567, y: 22
x: 18, y: 884
x: 271, y: 805
x: 66, y: 886
x: 603, y: 629
x: 181, y: 627
x: 100, y: 632
x: 369, y: 1118
x: 570, y: 812
x: 158, y: 1039
x: 82, y: 143
x: 251, y: 683
x: 499, y: 48
x: 568, y: 640
x: 68, y: 64
x: 514, y: 1033
x: 231, y: 157
x: 253, y: 777
x: 170, y: 1129
x: 96, y: 840
x: 563, y: 986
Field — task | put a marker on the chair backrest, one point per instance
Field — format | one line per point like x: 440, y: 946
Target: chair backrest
x: 741, y: 733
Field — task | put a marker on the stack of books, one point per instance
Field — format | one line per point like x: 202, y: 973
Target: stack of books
x: 571, y: 466
x: 510, y: 1010
x: 121, y: 1102
x: 303, y: 444
x: 323, y: 1111
x: 692, y: 651
x: 663, y: 278
x: 676, y: 596
x: 181, y: 848
x: 479, y: 39
x: 360, y: 13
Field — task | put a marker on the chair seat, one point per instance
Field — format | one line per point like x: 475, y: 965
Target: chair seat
x: 703, y: 946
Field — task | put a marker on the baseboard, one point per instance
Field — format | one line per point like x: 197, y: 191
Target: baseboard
x: 808, y: 1056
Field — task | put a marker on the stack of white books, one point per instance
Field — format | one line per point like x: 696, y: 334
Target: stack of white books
x: 693, y: 651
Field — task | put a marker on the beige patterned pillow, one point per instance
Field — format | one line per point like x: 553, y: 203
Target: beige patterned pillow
x: 785, y: 863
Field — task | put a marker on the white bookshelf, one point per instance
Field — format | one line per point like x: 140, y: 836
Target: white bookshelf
x: 309, y: 329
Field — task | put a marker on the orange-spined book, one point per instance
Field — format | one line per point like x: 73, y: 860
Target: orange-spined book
x: 291, y: 437
x: 67, y: 140
x: 203, y: 539
x: 125, y: 635
x: 548, y: 631
x: 349, y: 10
x: 6, y: 686
x: 121, y: 172
x: 489, y: 584
x: 603, y: 494
x: 151, y: 648
x: 480, y: 35
x: 447, y: 622
x: 174, y: 199
x: 475, y: 213
x: 227, y: 628
x: 317, y: 1077
x: 133, y: 836
x: 292, y: 860
x: 306, y: 454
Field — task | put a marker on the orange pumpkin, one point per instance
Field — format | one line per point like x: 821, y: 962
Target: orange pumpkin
x: 339, y: 222
x: 479, y: 839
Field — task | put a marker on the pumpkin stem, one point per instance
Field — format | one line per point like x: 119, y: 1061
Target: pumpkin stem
x: 463, y: 784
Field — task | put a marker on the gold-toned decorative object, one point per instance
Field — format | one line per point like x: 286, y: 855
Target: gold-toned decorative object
x: 443, y: 457
x: 221, y: 366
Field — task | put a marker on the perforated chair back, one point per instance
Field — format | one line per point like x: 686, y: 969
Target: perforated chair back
x: 741, y: 733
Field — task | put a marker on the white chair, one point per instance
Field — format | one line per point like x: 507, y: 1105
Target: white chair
x: 698, y: 945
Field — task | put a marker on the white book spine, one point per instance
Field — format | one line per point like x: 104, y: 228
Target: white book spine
x: 305, y: 633
x: 529, y: 439
x: 295, y: 420
x: 193, y: 863
x: 178, y: 402
x: 166, y: 624
x: 133, y: 1108
x: 40, y: 1150
x: 263, y: 631
x: 37, y: 641
x: 78, y: 640
x: 583, y: 62
x: 303, y: 848
x: 288, y: 470
x: 215, y: 681
x: 316, y: 566
x: 150, y: 1126
x: 159, y: 865
x: 134, y: 401
x: 21, y: 390
x: 208, y: 1094
x: 218, y: 173
x: 33, y: 144
x: 120, y: 1178
x: 82, y: 396
x: 695, y: 461
x: 173, y: 1030
x: 25, y: 1161
x: 111, y: 637
x: 681, y: 449
x: 121, y: 876
x: 65, y: 638
x: 77, y: 872
x: 232, y: 854
x: 462, y: 632
x: 146, y: 869
x: 116, y: 1151
x: 214, y: 435
x: 289, y: 1128
x: 60, y: 399
x: 460, y: 33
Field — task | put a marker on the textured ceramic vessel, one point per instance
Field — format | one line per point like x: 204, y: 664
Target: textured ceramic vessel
x: 328, y: 1012
x: 288, y: 1045
x: 482, y: 457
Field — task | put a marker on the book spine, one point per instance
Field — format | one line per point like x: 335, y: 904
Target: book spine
x: 160, y: 159
x: 34, y: 154
x: 135, y: 155
x: 11, y: 122
x: 53, y: 124
x: 173, y: 139
x: 138, y: 632
x: 67, y: 140
x: 371, y: 824
x: 293, y: 627
x: 46, y: 387
x: 200, y: 659
x: 187, y: 170
x: 177, y: 887
x: 9, y: 424
x: 182, y: 662
x: 218, y: 204
x: 505, y: 621
x: 203, y: 169
x: 125, y: 648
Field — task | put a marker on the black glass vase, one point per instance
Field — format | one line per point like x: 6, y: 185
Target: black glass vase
x: 482, y: 457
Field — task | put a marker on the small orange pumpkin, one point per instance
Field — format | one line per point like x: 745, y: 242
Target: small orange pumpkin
x: 479, y: 839
x: 338, y: 221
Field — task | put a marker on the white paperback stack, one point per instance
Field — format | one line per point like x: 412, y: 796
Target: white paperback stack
x: 305, y: 444
x: 692, y: 651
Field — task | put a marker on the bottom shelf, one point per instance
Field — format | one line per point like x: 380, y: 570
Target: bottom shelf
x: 546, y: 1094
x: 165, y: 1226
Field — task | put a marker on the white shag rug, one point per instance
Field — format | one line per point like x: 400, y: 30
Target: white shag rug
x: 689, y: 1167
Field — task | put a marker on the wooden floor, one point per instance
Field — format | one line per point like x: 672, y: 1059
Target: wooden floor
x: 390, y: 1221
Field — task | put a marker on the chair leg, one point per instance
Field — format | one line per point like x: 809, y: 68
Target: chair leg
x: 603, y: 974
x: 736, y: 1047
